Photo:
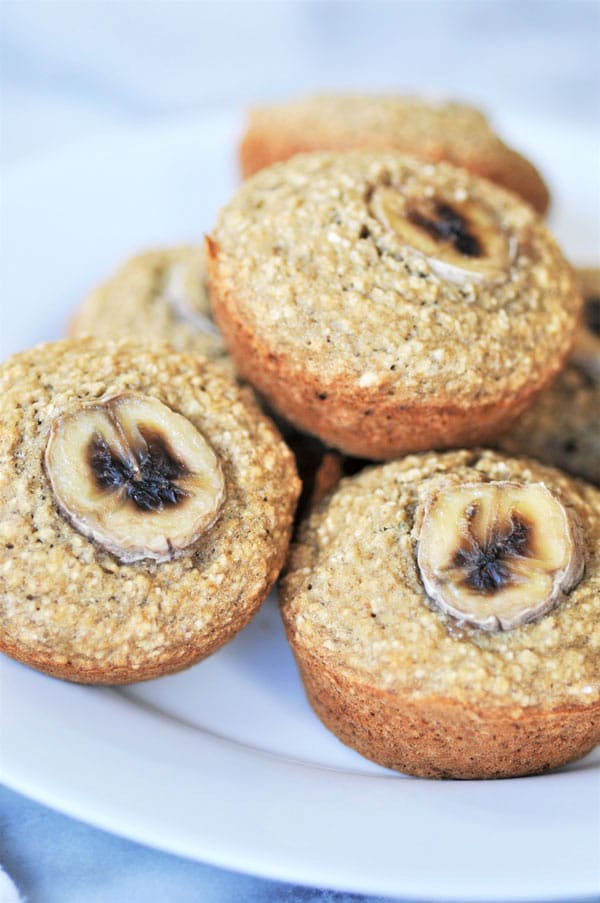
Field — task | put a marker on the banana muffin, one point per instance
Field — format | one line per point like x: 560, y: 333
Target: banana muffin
x: 444, y: 612
x: 146, y: 506
x: 161, y: 295
x: 431, y: 131
x: 386, y: 305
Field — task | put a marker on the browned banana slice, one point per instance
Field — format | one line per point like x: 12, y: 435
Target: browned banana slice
x: 461, y: 240
x: 134, y: 476
x: 500, y: 554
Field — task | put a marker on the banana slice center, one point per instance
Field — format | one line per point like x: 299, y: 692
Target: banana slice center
x: 148, y: 476
x: 445, y: 226
x: 134, y: 476
x: 500, y: 554
x: 461, y: 239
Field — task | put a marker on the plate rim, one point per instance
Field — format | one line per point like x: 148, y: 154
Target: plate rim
x: 75, y: 792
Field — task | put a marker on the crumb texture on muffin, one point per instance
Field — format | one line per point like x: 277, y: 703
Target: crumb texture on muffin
x: 159, y: 295
x: 331, y: 309
x: 70, y: 607
x: 406, y: 683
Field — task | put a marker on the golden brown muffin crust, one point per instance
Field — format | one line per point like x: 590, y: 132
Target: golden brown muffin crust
x: 337, y: 319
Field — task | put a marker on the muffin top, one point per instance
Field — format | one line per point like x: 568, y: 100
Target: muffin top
x: 355, y: 596
x: 430, y: 130
x: 376, y: 271
x: 145, y: 506
x: 161, y: 295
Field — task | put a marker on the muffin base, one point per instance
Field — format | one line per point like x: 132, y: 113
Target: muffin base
x: 441, y: 738
x: 169, y: 662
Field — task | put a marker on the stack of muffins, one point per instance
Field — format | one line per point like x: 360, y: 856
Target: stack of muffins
x: 384, y: 289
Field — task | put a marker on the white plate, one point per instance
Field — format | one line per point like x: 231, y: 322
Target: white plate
x: 226, y: 762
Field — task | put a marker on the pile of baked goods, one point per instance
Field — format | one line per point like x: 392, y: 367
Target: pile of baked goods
x: 382, y: 297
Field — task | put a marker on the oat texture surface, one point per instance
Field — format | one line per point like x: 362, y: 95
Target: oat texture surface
x: 332, y: 310
x: 161, y: 295
x: 69, y: 607
x: 353, y: 595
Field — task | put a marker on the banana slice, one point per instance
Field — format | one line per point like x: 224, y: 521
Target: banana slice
x: 500, y: 554
x: 461, y: 240
x: 134, y: 476
x: 183, y: 282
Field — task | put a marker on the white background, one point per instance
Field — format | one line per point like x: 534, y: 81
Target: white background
x: 77, y: 68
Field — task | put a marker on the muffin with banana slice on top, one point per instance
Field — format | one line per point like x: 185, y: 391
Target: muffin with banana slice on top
x: 444, y: 612
x: 387, y: 305
x: 146, y: 505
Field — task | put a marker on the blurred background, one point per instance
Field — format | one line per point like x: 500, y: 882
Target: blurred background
x: 74, y: 68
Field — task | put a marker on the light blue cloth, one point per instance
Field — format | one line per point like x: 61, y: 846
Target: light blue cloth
x: 56, y: 859
x: 72, y: 70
